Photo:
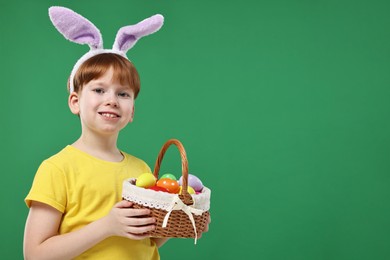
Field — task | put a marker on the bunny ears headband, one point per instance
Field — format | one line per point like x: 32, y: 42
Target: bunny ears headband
x: 78, y: 29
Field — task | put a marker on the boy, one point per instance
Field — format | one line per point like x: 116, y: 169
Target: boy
x: 76, y: 209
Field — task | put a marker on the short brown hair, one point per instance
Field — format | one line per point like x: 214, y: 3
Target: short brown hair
x: 124, y: 71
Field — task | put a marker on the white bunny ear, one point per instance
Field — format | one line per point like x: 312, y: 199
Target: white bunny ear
x: 127, y: 36
x: 75, y: 27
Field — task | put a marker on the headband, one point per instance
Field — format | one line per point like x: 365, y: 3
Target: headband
x: 78, y: 29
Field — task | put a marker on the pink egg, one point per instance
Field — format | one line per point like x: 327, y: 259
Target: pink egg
x: 194, y: 182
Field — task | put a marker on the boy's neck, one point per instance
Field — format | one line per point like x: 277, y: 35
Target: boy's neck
x: 102, y: 148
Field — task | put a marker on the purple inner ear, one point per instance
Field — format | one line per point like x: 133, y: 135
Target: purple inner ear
x: 126, y: 41
x: 83, y: 37
x: 127, y: 36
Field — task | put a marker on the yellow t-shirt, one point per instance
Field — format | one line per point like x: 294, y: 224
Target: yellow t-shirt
x: 84, y: 189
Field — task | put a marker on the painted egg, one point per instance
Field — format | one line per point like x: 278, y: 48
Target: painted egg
x: 193, y: 181
x: 169, y: 176
x: 189, y: 189
x: 145, y: 180
x: 171, y: 185
x: 157, y: 188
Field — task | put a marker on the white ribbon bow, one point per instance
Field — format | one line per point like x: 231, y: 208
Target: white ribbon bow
x: 177, y: 204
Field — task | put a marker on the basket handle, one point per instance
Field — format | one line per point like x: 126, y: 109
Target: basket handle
x: 185, y: 196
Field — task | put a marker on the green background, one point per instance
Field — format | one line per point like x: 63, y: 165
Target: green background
x: 283, y: 107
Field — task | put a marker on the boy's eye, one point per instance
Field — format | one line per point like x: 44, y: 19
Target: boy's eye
x: 124, y: 94
x: 99, y: 90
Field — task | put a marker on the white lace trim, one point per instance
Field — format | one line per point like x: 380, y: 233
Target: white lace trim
x: 161, y: 200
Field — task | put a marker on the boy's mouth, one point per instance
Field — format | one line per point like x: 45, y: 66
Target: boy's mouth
x: 108, y: 115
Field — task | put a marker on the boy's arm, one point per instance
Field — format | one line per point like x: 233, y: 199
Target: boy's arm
x: 42, y: 241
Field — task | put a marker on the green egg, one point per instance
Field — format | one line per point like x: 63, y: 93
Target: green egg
x: 169, y: 176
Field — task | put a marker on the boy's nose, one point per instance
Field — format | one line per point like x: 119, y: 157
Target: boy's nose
x: 112, y: 100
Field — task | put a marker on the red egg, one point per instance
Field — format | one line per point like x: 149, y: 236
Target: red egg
x: 171, y: 185
x: 157, y: 188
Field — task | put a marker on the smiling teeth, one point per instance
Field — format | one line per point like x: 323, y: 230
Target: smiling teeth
x: 108, y: 115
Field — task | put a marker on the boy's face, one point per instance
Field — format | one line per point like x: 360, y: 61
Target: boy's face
x: 104, y: 107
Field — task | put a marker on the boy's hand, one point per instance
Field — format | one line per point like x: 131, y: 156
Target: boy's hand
x: 206, y: 228
x: 125, y: 221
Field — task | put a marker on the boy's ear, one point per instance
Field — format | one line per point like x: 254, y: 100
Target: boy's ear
x: 73, y: 103
x: 132, y: 115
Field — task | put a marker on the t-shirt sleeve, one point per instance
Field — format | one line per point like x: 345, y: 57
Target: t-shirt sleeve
x: 145, y: 167
x: 138, y: 165
x: 49, y: 187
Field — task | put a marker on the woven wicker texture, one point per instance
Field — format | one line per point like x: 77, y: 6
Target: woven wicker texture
x: 179, y: 223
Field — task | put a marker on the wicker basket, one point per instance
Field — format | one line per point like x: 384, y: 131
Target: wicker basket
x: 184, y: 215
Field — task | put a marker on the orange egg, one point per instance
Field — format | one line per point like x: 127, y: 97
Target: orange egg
x: 170, y: 185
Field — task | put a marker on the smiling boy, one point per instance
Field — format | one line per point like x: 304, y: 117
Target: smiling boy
x: 76, y: 206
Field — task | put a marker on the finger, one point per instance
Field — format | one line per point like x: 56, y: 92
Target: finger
x: 141, y: 230
x: 123, y: 204
x: 131, y: 212
x: 206, y: 228
x: 140, y: 221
